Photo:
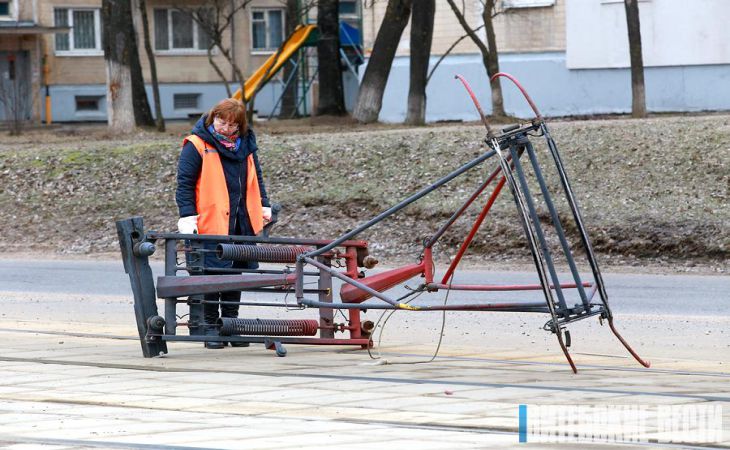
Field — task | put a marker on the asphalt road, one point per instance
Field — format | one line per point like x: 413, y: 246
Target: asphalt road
x: 691, y: 295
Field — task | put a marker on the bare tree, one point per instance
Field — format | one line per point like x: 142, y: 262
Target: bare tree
x: 120, y: 107
x: 142, y: 112
x: 370, y: 95
x: 214, y: 19
x: 489, y: 50
x: 289, y: 96
x: 422, y: 17
x: 638, y: 93
x: 447, y: 52
x: 331, y: 93
x: 159, y: 120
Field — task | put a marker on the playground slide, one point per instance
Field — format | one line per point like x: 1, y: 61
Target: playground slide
x: 272, y: 65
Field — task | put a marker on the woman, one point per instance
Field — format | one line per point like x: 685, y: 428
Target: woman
x: 220, y: 190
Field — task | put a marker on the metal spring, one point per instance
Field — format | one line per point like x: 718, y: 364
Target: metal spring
x: 263, y: 253
x: 267, y: 327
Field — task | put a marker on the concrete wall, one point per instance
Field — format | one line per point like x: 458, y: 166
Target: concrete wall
x: 557, y: 90
x: 63, y: 99
x: 673, y: 33
x: 517, y: 29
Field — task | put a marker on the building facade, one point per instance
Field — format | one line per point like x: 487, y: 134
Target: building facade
x: 57, y: 45
x: 572, y: 56
x: 21, y: 60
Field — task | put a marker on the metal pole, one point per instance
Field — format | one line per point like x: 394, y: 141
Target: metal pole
x: 539, y: 263
x: 401, y: 205
x: 548, y: 259
x: 349, y: 280
x: 570, y: 197
x: 558, y: 226
x: 436, y: 236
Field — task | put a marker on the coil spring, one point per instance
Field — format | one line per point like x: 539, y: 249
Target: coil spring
x: 267, y: 327
x: 263, y: 253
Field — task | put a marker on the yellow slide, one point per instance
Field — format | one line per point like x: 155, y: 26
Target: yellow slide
x: 274, y: 62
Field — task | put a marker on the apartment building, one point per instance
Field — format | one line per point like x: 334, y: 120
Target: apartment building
x: 572, y: 56
x: 57, y: 46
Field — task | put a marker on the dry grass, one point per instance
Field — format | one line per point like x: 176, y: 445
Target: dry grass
x: 656, y: 189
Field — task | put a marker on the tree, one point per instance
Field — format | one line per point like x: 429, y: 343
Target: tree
x: 331, y: 99
x: 142, y: 112
x: 159, y: 120
x: 638, y: 93
x: 289, y: 96
x: 422, y: 17
x: 214, y: 19
x: 372, y: 87
x: 120, y: 108
x: 488, y: 51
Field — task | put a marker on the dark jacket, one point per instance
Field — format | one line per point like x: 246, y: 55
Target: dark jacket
x: 234, y: 167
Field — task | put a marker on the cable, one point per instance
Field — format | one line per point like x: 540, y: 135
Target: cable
x: 390, y: 314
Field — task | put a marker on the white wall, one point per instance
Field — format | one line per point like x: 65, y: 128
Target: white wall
x: 673, y: 33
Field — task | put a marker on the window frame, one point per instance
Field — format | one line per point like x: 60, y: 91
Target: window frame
x: 97, y: 50
x: 12, y: 14
x: 355, y: 15
x: 520, y: 4
x: 97, y: 98
x: 195, y: 108
x: 170, y: 51
x: 267, y: 50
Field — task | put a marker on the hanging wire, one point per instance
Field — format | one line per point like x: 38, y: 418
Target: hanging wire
x: 390, y: 314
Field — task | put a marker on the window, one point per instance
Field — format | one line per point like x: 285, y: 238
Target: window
x: 348, y: 8
x: 88, y: 103
x: 9, y: 10
x: 185, y: 101
x: 267, y: 29
x: 177, y: 31
x: 85, y: 35
x: 11, y: 68
x: 527, y: 3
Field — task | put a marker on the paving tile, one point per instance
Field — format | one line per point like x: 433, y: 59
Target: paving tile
x: 230, y: 398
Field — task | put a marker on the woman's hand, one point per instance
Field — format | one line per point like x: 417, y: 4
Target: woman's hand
x: 188, y: 225
x: 266, y: 214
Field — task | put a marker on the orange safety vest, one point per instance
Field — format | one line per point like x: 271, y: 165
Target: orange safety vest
x: 211, y: 192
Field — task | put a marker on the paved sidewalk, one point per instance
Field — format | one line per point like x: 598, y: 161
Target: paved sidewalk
x: 87, y: 386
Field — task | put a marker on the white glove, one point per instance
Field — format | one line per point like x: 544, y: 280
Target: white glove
x: 267, y: 213
x: 188, y: 225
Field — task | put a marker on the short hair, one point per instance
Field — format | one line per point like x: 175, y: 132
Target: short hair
x: 230, y: 110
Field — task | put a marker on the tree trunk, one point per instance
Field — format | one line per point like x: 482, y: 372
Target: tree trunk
x: 289, y: 96
x: 221, y: 75
x: 159, y: 120
x: 370, y: 96
x: 142, y: 112
x: 492, y: 60
x: 421, y: 35
x: 638, y: 95
x: 120, y: 109
x: 331, y: 99
x: 489, y: 51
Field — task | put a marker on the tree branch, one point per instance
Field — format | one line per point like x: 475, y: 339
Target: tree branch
x: 469, y: 31
x: 433, y: 69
